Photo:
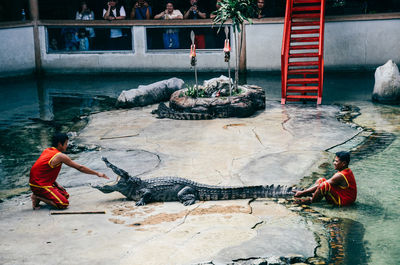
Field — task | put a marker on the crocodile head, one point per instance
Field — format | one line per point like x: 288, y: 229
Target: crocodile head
x: 127, y: 185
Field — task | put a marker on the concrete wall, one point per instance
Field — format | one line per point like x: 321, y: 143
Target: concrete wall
x: 17, y: 54
x: 348, y: 45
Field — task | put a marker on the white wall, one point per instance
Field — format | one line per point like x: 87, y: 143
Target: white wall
x: 348, y: 44
x: 17, y: 53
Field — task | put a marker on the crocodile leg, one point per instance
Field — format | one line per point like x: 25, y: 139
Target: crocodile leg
x: 187, y: 196
x: 146, y: 197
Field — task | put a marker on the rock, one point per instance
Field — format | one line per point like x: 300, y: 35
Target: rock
x: 150, y: 94
x: 243, y: 105
x: 274, y: 261
x: 387, y: 84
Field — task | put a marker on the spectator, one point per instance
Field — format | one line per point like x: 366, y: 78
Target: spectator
x: 141, y: 10
x: 194, y: 13
x: 71, y: 40
x: 217, y: 6
x: 263, y: 11
x: 83, y: 40
x: 170, y: 36
x: 114, y: 11
x: 84, y: 13
x: 260, y: 9
x: 53, y: 45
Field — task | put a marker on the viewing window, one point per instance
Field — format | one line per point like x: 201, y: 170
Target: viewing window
x: 72, y: 39
x: 179, y: 38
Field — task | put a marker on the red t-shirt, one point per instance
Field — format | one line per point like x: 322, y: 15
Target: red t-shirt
x: 348, y: 194
x: 42, y: 173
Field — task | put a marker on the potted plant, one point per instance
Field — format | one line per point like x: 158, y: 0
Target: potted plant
x: 238, y: 11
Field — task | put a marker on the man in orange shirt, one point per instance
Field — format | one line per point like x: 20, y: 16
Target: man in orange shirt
x: 45, y: 171
x: 341, y: 189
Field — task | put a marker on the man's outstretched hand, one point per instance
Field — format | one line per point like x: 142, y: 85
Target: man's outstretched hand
x: 299, y: 193
x: 102, y: 175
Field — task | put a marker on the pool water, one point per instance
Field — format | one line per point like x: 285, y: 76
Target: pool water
x: 32, y: 109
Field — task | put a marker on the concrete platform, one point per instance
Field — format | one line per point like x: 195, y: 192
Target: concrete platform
x: 280, y: 145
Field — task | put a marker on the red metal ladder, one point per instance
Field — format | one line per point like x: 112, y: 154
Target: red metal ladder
x: 302, y: 59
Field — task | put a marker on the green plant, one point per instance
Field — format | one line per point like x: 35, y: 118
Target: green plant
x: 194, y: 93
x: 238, y: 11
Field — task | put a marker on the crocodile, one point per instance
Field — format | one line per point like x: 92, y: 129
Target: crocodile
x: 165, y: 112
x: 164, y: 189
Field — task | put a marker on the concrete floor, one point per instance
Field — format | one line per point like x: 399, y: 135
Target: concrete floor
x: 280, y: 145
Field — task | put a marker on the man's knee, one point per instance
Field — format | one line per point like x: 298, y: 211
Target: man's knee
x: 324, y: 187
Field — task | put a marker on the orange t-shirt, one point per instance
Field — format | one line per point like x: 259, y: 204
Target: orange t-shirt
x: 42, y: 173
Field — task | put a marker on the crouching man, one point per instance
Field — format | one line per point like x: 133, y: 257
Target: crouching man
x: 340, y: 190
x: 45, y: 171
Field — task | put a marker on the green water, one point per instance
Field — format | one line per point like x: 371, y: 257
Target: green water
x: 376, y: 166
x: 31, y: 110
x: 379, y: 188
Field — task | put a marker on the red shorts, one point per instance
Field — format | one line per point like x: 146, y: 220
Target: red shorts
x: 57, y: 195
x: 331, y: 195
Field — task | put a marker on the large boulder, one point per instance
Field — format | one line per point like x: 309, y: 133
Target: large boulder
x: 387, y: 84
x: 150, y: 94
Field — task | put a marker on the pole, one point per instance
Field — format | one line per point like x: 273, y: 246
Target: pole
x: 34, y: 14
x: 193, y: 60
x: 227, y: 51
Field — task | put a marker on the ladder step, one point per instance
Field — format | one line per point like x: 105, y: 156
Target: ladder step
x: 303, y: 55
x: 289, y: 97
x: 306, y: 1
x: 304, y: 47
x: 305, y: 23
x: 299, y: 89
x: 306, y: 8
x: 305, y: 31
x: 315, y: 15
x: 304, y: 39
x: 303, y: 72
x: 303, y: 63
x: 302, y: 80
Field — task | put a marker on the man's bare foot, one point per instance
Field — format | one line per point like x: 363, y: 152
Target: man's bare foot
x: 35, y: 202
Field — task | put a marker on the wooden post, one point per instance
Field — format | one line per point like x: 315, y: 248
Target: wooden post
x: 34, y: 14
x: 242, y: 55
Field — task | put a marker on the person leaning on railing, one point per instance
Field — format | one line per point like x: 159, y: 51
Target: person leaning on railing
x: 84, y: 13
x: 217, y: 6
x: 114, y: 11
x: 141, y: 10
x: 170, y: 36
x: 195, y: 13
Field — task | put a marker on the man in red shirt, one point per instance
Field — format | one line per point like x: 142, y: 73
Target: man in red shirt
x: 45, y: 171
x: 341, y: 189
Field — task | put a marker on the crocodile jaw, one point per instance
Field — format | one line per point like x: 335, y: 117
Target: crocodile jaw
x: 105, y: 188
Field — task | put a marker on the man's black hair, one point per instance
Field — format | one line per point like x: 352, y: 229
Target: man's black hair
x: 59, y: 138
x: 343, y: 156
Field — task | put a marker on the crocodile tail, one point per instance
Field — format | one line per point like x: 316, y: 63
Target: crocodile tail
x: 165, y: 112
x: 277, y: 191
